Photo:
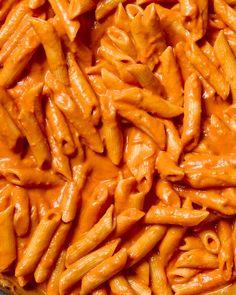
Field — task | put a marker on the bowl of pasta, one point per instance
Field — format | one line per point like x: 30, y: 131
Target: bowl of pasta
x: 117, y: 147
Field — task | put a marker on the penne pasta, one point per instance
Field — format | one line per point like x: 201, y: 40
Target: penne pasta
x: 138, y: 286
x: 77, y: 7
x: 210, y: 240
x: 119, y: 285
x: 167, y: 194
x: 33, y: 4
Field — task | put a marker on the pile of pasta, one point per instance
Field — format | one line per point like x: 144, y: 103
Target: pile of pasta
x: 118, y: 146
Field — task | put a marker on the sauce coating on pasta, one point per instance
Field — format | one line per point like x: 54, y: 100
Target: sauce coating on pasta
x: 118, y: 147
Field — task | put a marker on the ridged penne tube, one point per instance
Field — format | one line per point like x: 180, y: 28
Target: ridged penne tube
x: 38, y: 243
x: 227, y: 61
x: 197, y: 258
x: 33, y: 4
x: 136, y: 200
x: 142, y: 167
x: 99, y: 291
x: 138, y: 286
x: 74, y: 114
x: 171, y: 77
x: 192, y: 113
x: 105, y: 7
x: 202, y: 282
x: 150, y: 237
x: 31, y: 128
x: 12, y: 41
x: 91, y: 239
x: 90, y: 211
x: 132, y: 10
x: 177, y: 275
x: 59, y: 128
x: 178, y: 216
x: 170, y: 242
x: 53, y: 49
x: 9, y: 130
x: 122, y: 40
x: 209, y: 199
x: 8, y: 243
x: 195, y: 17
x: 126, y: 220
x: 60, y: 162
x: 77, y: 7
x: 111, y: 130
x: 5, y: 7
x: 207, y: 69
x: 159, y: 282
x: 21, y: 218
x: 12, y: 21
x: 119, y: 285
x: 226, y: 13
x: 146, y: 78
x: 111, y: 81
x: 19, y: 58
x: 167, y: 194
x: 148, y: 36
x: 104, y: 271
x: 60, y: 7
x: 78, y: 269
x: 150, y: 102
x: 49, y: 258
x: 72, y: 193
x: 54, y: 280
x: 123, y: 189
x: 210, y: 240
x: 168, y: 168
x: 174, y: 145
x: 226, y: 254
x: 121, y: 19
x: 142, y: 271
x: 86, y: 97
x: 142, y: 120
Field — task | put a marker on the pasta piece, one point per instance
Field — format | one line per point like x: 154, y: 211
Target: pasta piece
x: 197, y: 258
x: 132, y: 10
x: 179, y: 216
x: 104, y: 271
x: 167, y: 194
x: 207, y: 69
x: 177, y: 275
x: 99, y: 291
x: 142, y: 120
x: 192, y: 113
x: 151, y: 236
x: 171, y: 77
x: 60, y: 129
x: 77, y: 8
x: 5, y: 7
x: 13, y: 19
x: 123, y: 189
x: 9, y: 130
x: 140, y: 158
x: 54, y: 280
x: 227, y: 61
x: 49, y: 258
x: 21, y: 218
x: 142, y: 271
x: 53, y: 49
x: 210, y: 240
x: 105, y: 7
x: 149, y: 102
x: 38, y: 243
x: 226, y: 13
x: 167, y: 168
x: 34, y: 135
x: 86, y: 97
x: 61, y: 10
x: 111, y: 130
x: 138, y: 286
x: 8, y: 244
x: 226, y: 255
x: 60, y: 162
x: 202, y: 282
x: 136, y: 200
x: 33, y: 4
x: 72, y: 193
x: 74, y: 115
x: 91, y: 239
x: 121, y: 19
x: 174, y: 145
x: 119, y: 285
x: 126, y: 220
x: 78, y: 269
x: 159, y: 281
